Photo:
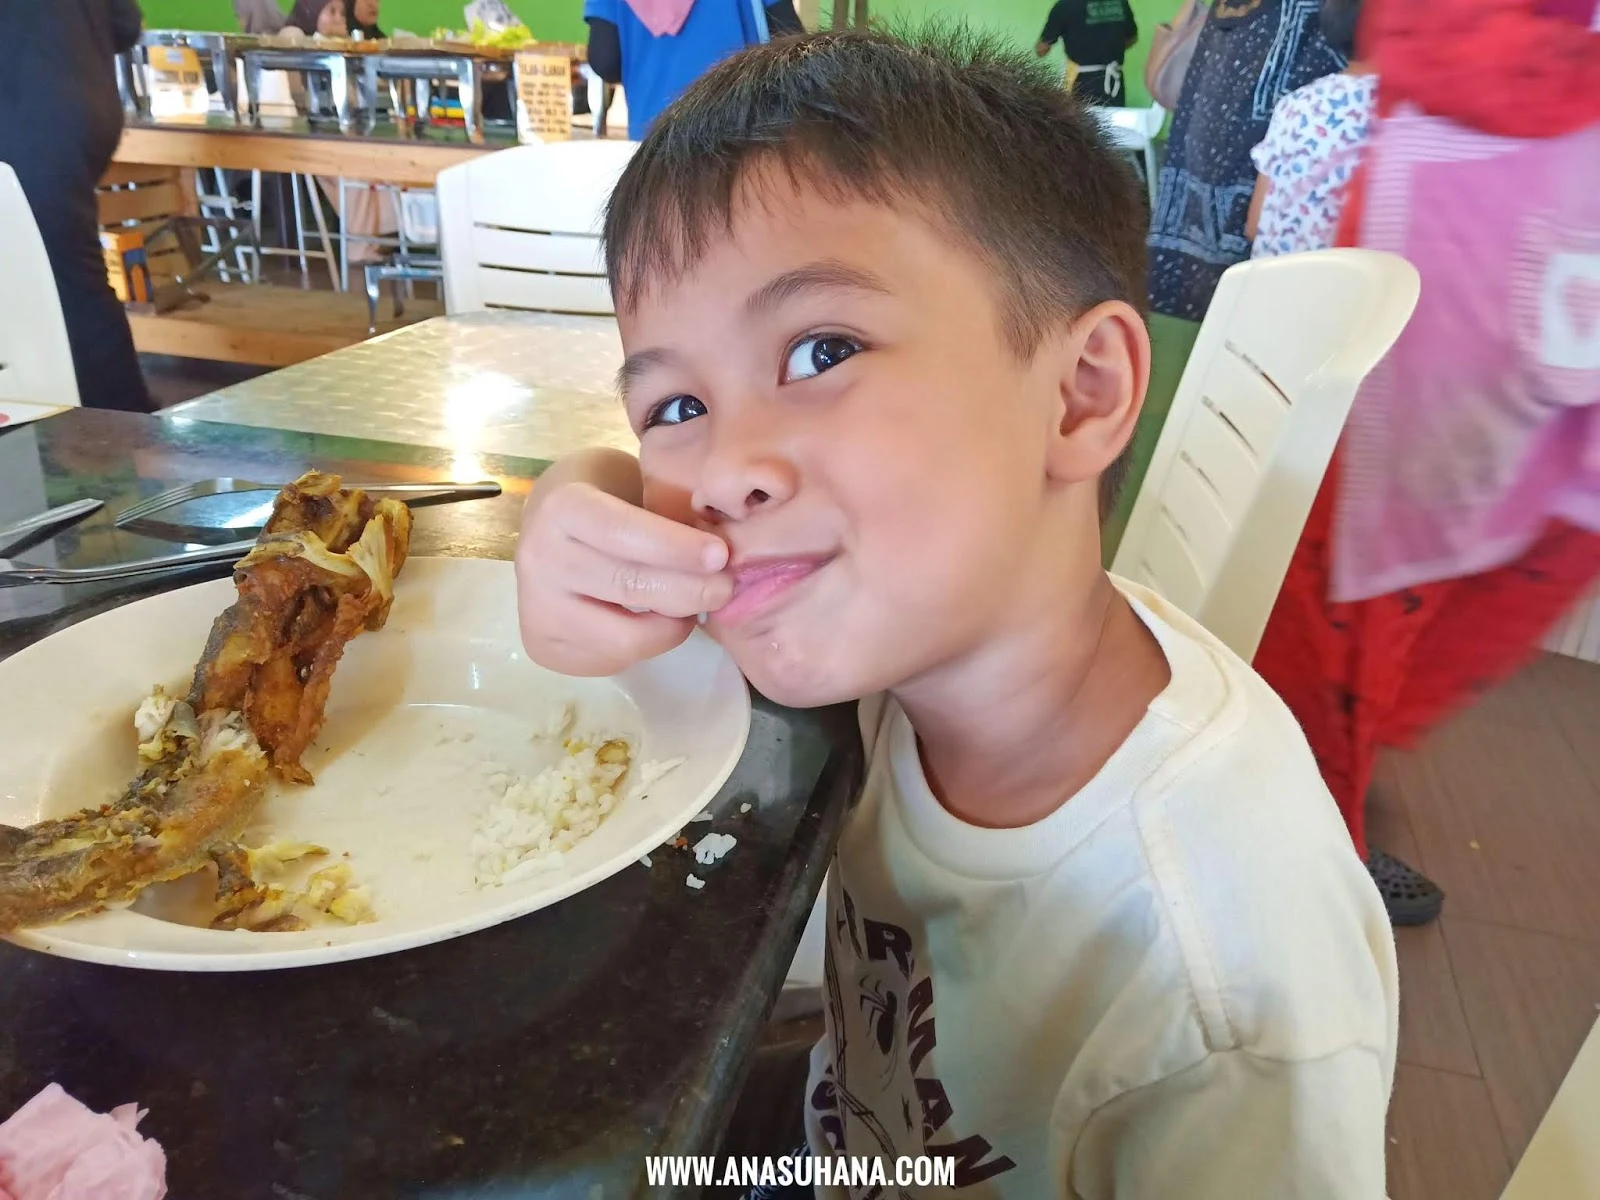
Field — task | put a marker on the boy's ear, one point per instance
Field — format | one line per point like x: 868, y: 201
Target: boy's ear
x: 1105, y: 369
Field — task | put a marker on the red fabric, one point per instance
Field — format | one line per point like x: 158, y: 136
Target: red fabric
x: 1502, y: 66
x: 1382, y: 671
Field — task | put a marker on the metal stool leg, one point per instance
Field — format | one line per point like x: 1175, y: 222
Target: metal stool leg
x: 255, y: 216
x: 373, y: 284
x: 344, y: 236
x: 339, y: 77
x: 300, y: 229
x: 314, y: 194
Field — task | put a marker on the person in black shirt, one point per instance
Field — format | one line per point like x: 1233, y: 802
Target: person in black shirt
x: 62, y: 121
x: 1095, y: 35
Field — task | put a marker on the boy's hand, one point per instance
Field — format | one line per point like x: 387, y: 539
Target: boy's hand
x: 586, y: 558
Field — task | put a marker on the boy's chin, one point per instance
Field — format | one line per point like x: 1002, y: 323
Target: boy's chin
x: 790, y: 676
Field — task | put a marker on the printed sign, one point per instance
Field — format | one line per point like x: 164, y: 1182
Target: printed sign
x: 177, y: 83
x: 544, y: 96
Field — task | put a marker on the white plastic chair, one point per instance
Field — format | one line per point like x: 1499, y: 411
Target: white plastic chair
x: 35, y: 358
x: 1135, y: 130
x: 521, y: 228
x: 1284, y: 346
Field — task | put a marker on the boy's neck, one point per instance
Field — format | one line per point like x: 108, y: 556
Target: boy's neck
x: 1010, y: 733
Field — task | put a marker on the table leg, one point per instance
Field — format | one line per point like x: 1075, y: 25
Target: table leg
x: 368, y: 96
x: 339, y: 79
x: 252, y: 89
x: 424, y: 100
x: 399, y: 101
x: 469, y: 78
x: 227, y: 82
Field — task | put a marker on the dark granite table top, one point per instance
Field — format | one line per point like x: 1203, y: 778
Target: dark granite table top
x: 541, y: 1058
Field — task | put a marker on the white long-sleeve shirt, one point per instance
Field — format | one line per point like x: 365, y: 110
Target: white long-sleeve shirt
x: 1180, y: 985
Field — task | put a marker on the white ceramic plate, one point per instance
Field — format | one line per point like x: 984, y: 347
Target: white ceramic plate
x: 421, y: 713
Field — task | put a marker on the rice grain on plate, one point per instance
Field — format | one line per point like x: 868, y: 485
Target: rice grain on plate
x: 536, y: 821
x: 532, y: 823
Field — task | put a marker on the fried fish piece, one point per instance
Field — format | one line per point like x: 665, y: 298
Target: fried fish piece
x: 321, y: 572
x: 162, y: 828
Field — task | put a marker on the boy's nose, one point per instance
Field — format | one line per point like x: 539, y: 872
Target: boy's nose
x: 734, y: 485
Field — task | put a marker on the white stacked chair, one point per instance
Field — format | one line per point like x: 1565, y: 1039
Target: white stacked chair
x: 520, y: 229
x: 35, y: 358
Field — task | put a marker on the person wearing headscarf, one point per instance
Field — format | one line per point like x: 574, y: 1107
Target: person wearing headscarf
x: 1460, y: 518
x: 657, y: 48
x: 336, y: 18
x: 63, y: 119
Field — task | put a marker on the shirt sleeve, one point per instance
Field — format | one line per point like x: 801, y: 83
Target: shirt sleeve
x: 1238, y: 1125
x: 604, y: 10
x: 1275, y: 147
x: 782, y: 19
x: 1055, y: 25
x: 127, y: 23
x: 605, y: 50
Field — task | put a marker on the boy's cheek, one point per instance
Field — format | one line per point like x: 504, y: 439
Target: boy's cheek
x: 665, y: 498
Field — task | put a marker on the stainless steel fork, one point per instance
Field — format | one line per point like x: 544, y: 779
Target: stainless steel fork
x: 14, y: 574
x: 184, y: 493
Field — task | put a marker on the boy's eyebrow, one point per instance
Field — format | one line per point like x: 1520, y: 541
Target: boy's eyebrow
x: 636, y: 365
x: 829, y: 273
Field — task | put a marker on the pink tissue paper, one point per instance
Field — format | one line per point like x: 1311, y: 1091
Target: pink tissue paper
x: 54, y: 1148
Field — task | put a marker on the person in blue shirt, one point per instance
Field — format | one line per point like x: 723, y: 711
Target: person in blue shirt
x: 654, y: 70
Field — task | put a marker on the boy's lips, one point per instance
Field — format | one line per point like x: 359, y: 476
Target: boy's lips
x: 760, y: 583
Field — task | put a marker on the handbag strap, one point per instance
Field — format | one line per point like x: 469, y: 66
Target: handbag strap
x: 759, y: 10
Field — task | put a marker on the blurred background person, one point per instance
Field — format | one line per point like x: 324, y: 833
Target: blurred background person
x: 657, y: 48
x: 1249, y: 54
x: 1460, y: 518
x: 1312, y: 149
x: 1095, y: 35
x: 63, y: 119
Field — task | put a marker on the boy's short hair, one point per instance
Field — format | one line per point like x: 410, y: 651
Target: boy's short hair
x: 987, y: 141
x: 1338, y: 20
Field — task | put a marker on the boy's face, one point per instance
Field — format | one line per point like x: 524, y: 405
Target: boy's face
x: 830, y: 391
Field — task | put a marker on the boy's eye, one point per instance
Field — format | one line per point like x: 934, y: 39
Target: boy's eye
x: 813, y: 355
x: 675, y: 411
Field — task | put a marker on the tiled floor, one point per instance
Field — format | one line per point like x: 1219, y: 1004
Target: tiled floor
x: 1502, y: 807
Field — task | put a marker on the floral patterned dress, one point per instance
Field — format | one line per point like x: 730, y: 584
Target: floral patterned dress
x: 1310, y: 154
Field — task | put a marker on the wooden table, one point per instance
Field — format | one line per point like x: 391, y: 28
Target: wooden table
x: 152, y: 178
x: 290, y: 145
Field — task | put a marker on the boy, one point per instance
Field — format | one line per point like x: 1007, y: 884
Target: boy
x: 1095, y: 927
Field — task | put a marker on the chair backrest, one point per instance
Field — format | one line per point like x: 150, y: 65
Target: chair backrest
x: 35, y: 359
x: 521, y: 228
x: 1284, y: 346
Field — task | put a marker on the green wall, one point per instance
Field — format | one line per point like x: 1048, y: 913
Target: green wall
x: 562, y: 20
x: 1021, y: 20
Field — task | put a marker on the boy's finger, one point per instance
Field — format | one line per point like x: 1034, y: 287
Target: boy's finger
x: 625, y: 531
x: 668, y: 593
x: 596, y: 639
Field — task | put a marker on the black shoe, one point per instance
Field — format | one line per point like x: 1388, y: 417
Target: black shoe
x: 1409, y: 895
